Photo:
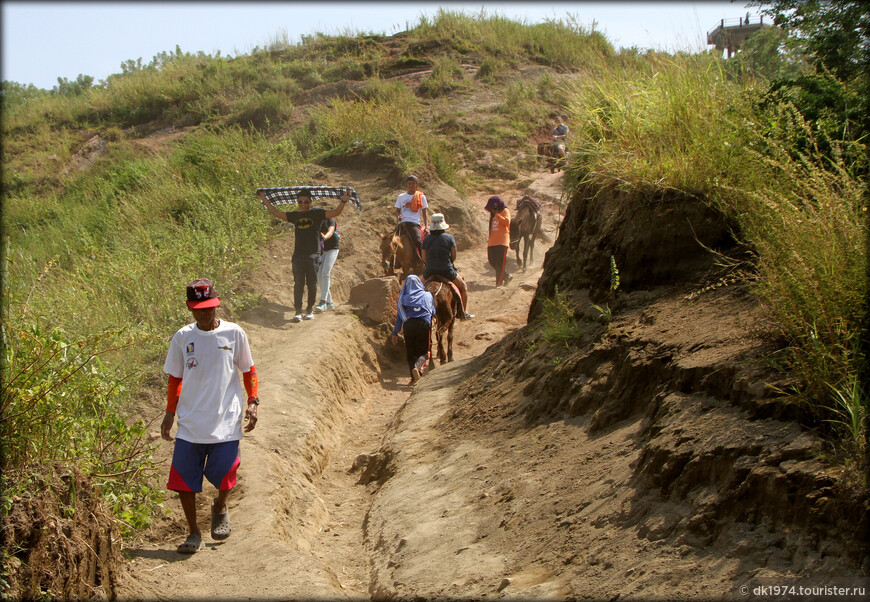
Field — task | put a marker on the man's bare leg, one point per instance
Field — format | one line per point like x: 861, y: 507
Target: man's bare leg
x: 463, y: 296
x: 188, y: 504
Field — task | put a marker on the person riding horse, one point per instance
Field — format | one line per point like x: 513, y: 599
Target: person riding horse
x: 412, y: 211
x: 560, y: 130
x: 439, y: 253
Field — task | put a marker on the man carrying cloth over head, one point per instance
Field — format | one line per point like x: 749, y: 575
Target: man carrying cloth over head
x: 412, y: 211
x: 306, y: 249
x: 206, y: 357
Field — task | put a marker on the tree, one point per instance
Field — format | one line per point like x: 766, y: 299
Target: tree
x: 834, y: 37
x: 67, y: 88
x: 834, y: 34
x: 767, y: 54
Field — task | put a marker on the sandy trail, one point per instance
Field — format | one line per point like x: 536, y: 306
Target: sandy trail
x: 298, y: 512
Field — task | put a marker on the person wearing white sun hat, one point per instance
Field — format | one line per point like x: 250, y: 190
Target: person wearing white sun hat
x: 439, y: 253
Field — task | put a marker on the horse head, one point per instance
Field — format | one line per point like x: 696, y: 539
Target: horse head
x: 389, y: 243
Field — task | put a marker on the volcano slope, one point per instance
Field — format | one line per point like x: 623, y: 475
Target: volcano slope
x: 644, y: 457
x: 641, y: 458
x: 329, y: 388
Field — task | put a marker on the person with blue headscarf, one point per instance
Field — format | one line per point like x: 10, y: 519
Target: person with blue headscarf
x: 414, y: 311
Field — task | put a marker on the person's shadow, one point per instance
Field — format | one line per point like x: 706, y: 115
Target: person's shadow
x: 269, y: 315
x: 164, y: 554
x: 476, y: 287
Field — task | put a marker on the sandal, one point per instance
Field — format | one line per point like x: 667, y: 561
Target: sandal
x: 192, y: 544
x: 220, y: 523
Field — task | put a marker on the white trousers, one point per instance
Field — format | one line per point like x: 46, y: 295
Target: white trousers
x: 326, y: 263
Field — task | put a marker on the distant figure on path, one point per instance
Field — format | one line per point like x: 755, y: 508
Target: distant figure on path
x: 560, y: 129
x: 414, y: 311
x: 206, y: 357
x: 499, y: 238
x: 306, y: 251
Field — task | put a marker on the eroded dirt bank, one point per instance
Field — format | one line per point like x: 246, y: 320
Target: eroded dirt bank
x: 649, y: 458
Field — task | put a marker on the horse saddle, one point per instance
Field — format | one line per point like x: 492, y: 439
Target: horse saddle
x: 444, y: 280
x: 533, y: 203
x: 404, y: 228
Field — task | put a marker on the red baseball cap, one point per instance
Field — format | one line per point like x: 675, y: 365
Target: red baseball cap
x: 201, y: 294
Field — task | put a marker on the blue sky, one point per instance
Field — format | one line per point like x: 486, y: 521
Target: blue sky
x: 46, y: 40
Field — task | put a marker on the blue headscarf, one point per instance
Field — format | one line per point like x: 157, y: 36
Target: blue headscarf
x: 413, y: 295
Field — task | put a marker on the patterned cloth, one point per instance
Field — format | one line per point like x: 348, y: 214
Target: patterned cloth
x: 534, y: 203
x: 287, y: 195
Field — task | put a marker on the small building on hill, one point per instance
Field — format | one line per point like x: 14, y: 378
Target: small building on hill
x: 731, y: 34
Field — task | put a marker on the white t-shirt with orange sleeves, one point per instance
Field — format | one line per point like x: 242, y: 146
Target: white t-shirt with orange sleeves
x: 211, y: 406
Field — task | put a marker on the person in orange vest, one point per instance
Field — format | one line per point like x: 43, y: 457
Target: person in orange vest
x: 499, y: 238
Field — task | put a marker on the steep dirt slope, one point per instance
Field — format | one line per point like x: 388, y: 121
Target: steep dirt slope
x: 647, y: 459
x: 329, y: 389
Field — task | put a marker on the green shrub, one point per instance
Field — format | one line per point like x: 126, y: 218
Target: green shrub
x: 348, y: 68
x: 60, y: 408
x: 447, y: 76
x: 491, y: 68
x: 809, y: 230
x: 558, y: 324
x: 262, y: 111
x: 306, y: 73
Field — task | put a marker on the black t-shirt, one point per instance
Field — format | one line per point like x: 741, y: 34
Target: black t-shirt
x: 332, y: 242
x: 307, y: 233
x: 437, y: 246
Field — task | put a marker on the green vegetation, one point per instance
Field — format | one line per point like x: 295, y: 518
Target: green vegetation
x: 102, y: 232
x: 447, y: 76
x: 562, y: 44
x: 778, y: 159
x: 558, y: 324
x: 103, y: 227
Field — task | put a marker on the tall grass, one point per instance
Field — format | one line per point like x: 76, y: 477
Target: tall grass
x: 809, y: 230
x: 447, y: 76
x: 122, y: 241
x: 388, y: 122
x: 669, y: 125
x: 559, y: 43
x: 680, y: 124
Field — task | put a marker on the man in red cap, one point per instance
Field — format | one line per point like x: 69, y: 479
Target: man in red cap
x: 206, y: 357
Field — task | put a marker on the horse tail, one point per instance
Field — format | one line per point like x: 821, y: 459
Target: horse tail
x: 539, y: 230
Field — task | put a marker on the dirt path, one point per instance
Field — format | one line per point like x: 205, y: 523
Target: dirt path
x: 299, y: 512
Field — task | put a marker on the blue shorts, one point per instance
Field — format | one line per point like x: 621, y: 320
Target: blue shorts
x: 190, y: 461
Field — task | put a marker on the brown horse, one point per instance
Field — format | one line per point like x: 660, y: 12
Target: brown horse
x: 397, y: 251
x: 526, y: 227
x: 447, y: 307
x: 554, y: 154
